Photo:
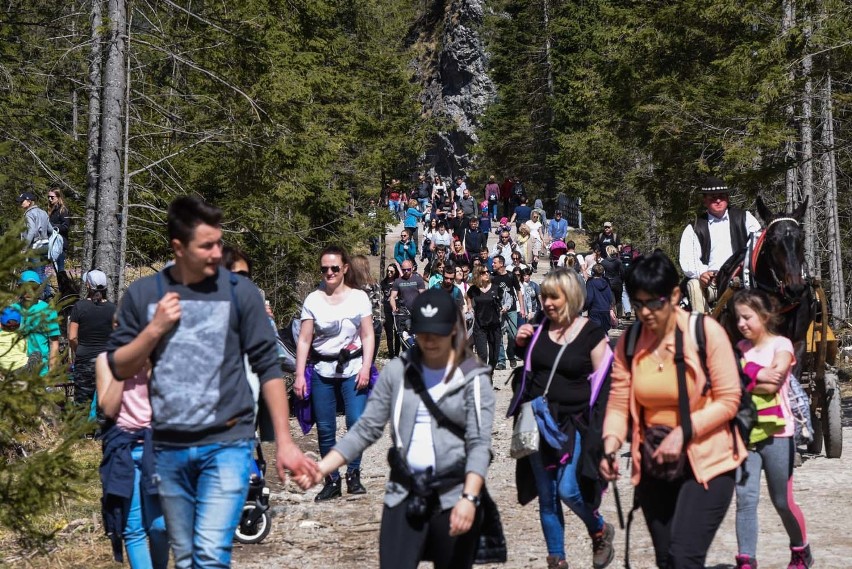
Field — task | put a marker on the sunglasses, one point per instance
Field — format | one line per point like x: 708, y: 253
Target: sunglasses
x: 406, y: 270
x: 246, y: 273
x: 333, y: 268
x: 51, y: 197
x: 718, y: 197
x: 652, y: 304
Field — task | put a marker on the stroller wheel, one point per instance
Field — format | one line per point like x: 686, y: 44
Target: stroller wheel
x: 248, y: 533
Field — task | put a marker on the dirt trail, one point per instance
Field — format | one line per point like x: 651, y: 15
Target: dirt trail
x: 344, y: 532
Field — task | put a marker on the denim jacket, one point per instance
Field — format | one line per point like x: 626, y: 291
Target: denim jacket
x: 468, y: 401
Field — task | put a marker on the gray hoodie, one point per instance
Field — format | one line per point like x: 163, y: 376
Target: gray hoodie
x: 468, y: 401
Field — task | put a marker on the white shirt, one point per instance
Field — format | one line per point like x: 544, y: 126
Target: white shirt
x: 421, y: 451
x: 535, y: 229
x: 337, y: 326
x: 720, y: 244
x: 445, y: 239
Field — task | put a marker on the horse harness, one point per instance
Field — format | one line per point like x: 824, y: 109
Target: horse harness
x: 753, y: 249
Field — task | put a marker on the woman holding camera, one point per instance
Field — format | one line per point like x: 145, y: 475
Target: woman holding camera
x: 683, y: 469
x: 336, y: 333
x: 438, y: 462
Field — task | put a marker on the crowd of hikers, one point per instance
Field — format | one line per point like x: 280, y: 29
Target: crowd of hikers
x: 181, y: 370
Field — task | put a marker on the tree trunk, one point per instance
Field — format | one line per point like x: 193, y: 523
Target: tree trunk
x: 829, y: 180
x: 109, y: 184
x: 125, y: 184
x: 93, y: 151
x: 811, y: 253
x: 791, y: 180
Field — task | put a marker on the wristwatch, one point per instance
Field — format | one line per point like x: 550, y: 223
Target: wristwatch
x: 472, y: 498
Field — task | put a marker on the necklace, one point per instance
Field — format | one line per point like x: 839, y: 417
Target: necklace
x: 659, y: 360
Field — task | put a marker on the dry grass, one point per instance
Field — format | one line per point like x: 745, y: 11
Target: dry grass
x: 79, y: 542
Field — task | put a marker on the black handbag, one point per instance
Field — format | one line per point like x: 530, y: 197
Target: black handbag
x: 654, y: 435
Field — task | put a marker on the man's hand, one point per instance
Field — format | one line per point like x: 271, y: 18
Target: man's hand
x: 289, y: 457
x: 167, y: 314
x: 706, y: 278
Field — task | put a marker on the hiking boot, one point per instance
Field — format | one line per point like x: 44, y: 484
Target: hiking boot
x: 602, y: 549
x: 330, y: 490
x: 555, y: 562
x: 500, y: 367
x: 800, y: 557
x: 513, y: 362
x: 353, y: 482
x: 746, y: 562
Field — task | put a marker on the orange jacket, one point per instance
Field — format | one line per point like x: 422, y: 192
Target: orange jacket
x: 711, y: 451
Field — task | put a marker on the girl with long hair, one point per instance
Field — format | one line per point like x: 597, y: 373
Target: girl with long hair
x: 60, y: 218
x: 391, y: 274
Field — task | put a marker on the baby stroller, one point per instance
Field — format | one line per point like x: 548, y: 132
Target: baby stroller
x: 255, y: 522
x: 557, y: 249
x: 402, y: 327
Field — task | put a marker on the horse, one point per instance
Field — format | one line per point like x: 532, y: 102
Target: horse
x: 774, y: 261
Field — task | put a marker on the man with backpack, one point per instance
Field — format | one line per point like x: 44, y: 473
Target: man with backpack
x: 424, y: 191
x: 606, y: 237
x: 195, y: 322
x: 707, y: 242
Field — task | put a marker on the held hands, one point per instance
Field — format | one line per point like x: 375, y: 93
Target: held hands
x: 289, y: 457
x: 167, y: 313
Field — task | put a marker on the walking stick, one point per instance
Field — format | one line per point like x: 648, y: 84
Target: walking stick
x: 611, y: 460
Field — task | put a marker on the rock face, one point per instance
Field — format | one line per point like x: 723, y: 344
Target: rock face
x: 456, y: 86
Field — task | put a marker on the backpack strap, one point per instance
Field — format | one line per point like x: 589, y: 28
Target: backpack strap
x: 632, y: 337
x: 416, y: 382
x: 699, y: 336
x: 682, y: 393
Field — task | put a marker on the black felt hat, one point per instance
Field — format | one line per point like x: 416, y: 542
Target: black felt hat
x: 713, y: 185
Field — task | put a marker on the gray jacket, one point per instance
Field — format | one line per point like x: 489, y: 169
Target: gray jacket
x: 38, y: 226
x: 468, y: 401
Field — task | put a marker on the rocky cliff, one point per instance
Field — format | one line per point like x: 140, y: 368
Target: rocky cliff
x: 452, y: 69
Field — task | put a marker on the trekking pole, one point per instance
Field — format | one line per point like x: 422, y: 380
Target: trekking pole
x: 610, y: 458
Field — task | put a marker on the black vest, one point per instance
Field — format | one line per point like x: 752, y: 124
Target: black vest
x: 736, y: 222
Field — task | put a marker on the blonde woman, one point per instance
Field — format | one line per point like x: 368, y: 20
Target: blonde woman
x: 536, y: 230
x: 524, y: 241
x: 569, y: 348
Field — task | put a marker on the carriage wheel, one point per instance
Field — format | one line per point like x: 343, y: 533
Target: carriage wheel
x: 832, y: 430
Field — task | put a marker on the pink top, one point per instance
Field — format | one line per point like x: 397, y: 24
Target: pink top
x: 135, y: 412
x: 763, y: 356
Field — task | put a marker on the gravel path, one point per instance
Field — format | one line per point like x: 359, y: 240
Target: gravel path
x: 344, y: 533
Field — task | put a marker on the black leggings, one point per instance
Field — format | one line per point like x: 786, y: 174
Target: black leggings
x: 403, y: 544
x: 487, y: 343
x: 683, y: 516
x: 392, y: 338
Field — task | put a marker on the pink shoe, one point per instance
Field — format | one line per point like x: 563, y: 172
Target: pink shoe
x: 746, y: 562
x: 800, y: 557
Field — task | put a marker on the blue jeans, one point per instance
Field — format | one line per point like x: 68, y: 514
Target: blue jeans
x: 422, y: 202
x: 559, y: 485
x: 60, y: 263
x: 325, y: 393
x: 202, y: 493
x: 510, y: 327
x: 493, y: 209
x: 145, y: 533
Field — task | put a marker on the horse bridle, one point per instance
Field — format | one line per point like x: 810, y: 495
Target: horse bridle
x: 779, y: 284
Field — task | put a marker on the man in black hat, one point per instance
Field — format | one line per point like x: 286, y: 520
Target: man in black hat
x: 710, y: 240
x: 36, y: 237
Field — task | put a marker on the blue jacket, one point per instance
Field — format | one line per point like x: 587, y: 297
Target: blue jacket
x: 117, y: 479
x: 412, y: 216
x: 402, y: 252
x: 558, y: 229
x: 598, y: 295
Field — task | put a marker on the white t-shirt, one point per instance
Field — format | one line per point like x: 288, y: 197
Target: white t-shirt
x: 421, y: 451
x: 337, y: 326
x: 535, y: 229
x: 444, y: 239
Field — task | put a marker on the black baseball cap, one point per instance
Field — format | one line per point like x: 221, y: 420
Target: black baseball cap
x: 434, y: 312
x: 26, y: 196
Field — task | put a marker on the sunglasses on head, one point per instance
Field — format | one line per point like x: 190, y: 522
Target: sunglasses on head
x: 652, y: 304
x: 333, y: 268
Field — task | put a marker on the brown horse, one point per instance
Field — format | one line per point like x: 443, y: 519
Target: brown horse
x: 776, y: 265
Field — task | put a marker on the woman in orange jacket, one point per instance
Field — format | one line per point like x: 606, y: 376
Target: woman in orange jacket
x: 683, y: 508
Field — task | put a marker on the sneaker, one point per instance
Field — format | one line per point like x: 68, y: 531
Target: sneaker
x: 602, y: 550
x: 556, y: 562
x: 746, y: 562
x: 800, y: 557
x: 330, y: 490
x: 513, y: 363
x: 500, y: 367
x: 353, y: 482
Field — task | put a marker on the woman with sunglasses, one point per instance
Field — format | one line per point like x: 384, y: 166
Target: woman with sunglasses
x: 683, y: 513
x: 60, y: 219
x: 337, y: 329
x: 386, y: 283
